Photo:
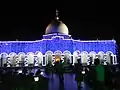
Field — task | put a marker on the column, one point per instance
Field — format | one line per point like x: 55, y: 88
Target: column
x: 71, y: 60
x: 44, y: 61
x: 114, y: 59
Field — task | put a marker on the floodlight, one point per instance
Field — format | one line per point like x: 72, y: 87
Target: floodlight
x: 83, y: 72
x: 19, y: 71
x: 36, y: 79
x: 41, y: 73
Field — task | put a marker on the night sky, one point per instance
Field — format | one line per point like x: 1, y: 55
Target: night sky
x: 85, y: 20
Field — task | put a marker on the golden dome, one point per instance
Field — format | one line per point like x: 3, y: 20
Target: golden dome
x: 57, y: 26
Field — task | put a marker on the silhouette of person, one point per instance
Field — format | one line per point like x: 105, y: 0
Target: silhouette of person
x: 99, y: 69
x: 61, y: 76
x: 78, y: 74
x: 108, y: 77
x: 60, y: 70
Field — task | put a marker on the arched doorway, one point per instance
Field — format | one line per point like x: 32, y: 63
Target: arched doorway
x: 109, y: 57
x: 101, y: 57
x: 76, y: 56
x: 58, y: 56
x: 4, y: 59
x: 13, y: 58
x: 39, y: 58
x: 92, y: 55
x: 67, y: 57
x: 48, y: 57
x: 30, y: 57
x: 21, y: 57
x: 84, y: 58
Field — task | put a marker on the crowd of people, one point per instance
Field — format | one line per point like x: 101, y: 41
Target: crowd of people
x: 22, y: 80
x: 97, y: 77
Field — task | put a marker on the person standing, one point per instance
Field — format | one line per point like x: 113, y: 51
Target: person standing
x: 108, y: 77
x: 78, y: 74
x: 100, y: 76
x: 60, y: 72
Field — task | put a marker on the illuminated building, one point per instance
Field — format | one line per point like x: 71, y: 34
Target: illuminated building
x: 56, y: 43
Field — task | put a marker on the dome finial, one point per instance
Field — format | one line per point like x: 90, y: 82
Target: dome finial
x: 57, y: 14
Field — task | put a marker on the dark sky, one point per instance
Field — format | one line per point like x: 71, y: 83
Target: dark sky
x: 84, y: 19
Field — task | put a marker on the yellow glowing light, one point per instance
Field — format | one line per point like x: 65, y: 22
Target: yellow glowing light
x: 57, y: 59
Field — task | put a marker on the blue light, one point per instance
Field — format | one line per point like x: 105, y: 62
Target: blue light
x: 55, y: 43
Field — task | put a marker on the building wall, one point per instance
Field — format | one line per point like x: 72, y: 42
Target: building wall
x: 96, y: 46
x: 77, y: 48
x: 57, y: 43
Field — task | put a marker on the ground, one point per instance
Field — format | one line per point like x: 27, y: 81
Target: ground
x: 69, y: 83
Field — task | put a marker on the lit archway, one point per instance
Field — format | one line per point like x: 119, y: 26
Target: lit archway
x: 4, y: 58
x: 30, y: 56
x: 84, y: 57
x: 13, y: 58
x: 67, y: 56
x: 101, y: 56
x: 92, y: 55
x: 39, y: 57
x: 58, y: 56
x: 21, y: 57
x: 58, y: 52
x: 48, y: 57
x: 109, y: 58
x: 76, y: 55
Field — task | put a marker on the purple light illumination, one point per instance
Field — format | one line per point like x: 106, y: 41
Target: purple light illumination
x: 60, y: 42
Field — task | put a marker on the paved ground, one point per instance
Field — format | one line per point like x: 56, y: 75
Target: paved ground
x: 69, y: 83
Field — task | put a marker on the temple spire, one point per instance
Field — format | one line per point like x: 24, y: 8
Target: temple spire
x: 57, y: 14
